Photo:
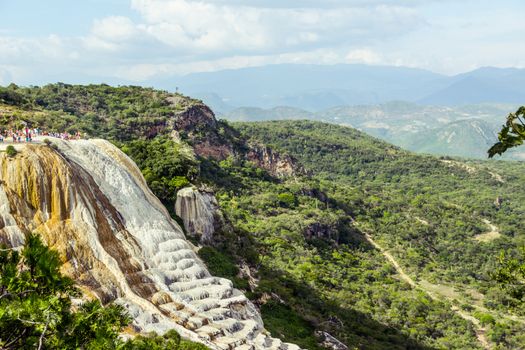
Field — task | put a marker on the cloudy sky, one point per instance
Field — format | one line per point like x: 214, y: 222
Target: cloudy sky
x: 141, y: 40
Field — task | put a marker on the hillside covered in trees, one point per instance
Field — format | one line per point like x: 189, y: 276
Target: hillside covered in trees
x: 304, y: 245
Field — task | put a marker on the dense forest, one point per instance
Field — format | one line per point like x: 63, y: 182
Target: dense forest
x: 306, y: 238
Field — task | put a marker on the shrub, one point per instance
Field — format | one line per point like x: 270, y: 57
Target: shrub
x: 281, y: 321
x: 11, y: 151
x: 485, y: 319
x: 218, y: 263
x: 33, y: 286
x: 287, y: 200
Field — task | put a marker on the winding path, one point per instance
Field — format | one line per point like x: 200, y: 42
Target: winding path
x: 480, y: 330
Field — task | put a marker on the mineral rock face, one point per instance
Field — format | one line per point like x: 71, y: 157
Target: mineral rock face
x: 276, y: 164
x: 90, y: 202
x: 199, y: 211
x: 200, y: 126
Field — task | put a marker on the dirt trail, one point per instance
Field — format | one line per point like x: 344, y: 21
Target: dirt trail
x: 491, y: 235
x: 480, y: 331
x: 393, y: 261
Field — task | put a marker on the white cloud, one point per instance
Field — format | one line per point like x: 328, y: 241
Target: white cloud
x: 114, y: 28
x: 181, y: 36
x: 366, y: 56
x: 16, y: 50
x: 319, y: 4
x: 221, y: 28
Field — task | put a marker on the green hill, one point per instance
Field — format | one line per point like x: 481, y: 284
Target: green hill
x: 379, y: 247
x: 464, y: 138
x: 466, y: 131
x: 429, y: 213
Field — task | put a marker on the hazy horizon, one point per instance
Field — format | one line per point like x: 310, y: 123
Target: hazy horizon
x: 136, y: 41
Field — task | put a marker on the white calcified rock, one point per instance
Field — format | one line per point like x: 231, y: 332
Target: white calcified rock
x: 90, y: 202
x: 199, y: 212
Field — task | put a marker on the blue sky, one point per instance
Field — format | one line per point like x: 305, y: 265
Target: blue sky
x: 143, y: 40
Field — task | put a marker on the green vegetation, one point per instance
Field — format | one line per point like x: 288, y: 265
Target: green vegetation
x: 279, y: 317
x: 36, y: 310
x: 169, y: 341
x: 35, y: 306
x: 166, y: 165
x: 311, y: 267
x: 11, y: 151
x: 123, y: 113
x: 512, y: 134
x: 336, y: 282
x: 426, y: 211
x: 511, y: 275
x: 218, y: 263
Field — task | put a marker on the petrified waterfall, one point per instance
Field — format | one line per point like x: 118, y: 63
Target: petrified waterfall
x: 90, y: 202
x: 199, y: 211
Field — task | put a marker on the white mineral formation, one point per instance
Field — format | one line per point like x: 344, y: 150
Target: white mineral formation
x: 199, y: 211
x: 90, y: 202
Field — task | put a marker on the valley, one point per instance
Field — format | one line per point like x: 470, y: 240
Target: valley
x: 463, y: 131
x: 330, y: 234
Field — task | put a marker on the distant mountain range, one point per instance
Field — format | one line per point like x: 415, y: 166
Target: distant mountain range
x: 465, y: 131
x: 318, y: 87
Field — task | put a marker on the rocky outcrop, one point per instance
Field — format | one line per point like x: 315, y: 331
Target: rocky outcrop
x: 90, y: 202
x: 210, y: 138
x: 196, y: 117
x: 318, y: 230
x: 331, y: 342
x: 200, y: 213
x: 198, y: 125
x: 276, y: 164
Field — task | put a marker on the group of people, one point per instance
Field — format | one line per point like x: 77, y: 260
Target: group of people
x: 29, y: 134
x: 64, y: 135
x: 18, y: 136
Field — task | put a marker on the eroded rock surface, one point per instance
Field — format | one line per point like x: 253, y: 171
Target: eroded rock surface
x: 276, y: 164
x: 90, y: 202
x: 199, y: 211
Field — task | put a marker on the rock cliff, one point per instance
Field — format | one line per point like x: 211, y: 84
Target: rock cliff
x: 275, y: 163
x: 90, y: 202
x: 197, y: 124
x: 210, y: 138
x: 199, y: 211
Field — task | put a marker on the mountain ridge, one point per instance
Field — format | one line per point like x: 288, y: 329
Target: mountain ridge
x: 409, y: 125
x: 315, y: 87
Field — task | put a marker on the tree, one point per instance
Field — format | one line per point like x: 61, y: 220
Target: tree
x: 512, y: 133
x: 511, y: 274
x: 36, y: 310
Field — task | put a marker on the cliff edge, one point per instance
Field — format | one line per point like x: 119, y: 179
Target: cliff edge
x: 90, y: 202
